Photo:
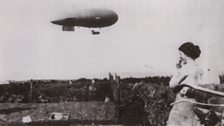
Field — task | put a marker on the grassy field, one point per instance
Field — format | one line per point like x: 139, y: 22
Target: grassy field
x: 64, y: 123
x: 10, y: 113
x: 148, y: 104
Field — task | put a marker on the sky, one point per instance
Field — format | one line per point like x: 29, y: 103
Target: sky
x: 147, y: 33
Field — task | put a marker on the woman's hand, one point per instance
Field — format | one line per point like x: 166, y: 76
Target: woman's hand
x: 181, y: 63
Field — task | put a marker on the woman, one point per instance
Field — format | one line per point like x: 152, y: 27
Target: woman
x: 188, y: 72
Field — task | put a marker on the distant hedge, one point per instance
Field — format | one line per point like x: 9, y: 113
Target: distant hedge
x: 40, y: 91
x: 48, y: 91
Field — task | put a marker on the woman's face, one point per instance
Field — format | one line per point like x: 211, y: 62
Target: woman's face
x: 182, y: 56
x: 182, y: 59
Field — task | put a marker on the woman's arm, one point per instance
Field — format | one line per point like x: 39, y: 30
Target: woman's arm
x: 177, y: 79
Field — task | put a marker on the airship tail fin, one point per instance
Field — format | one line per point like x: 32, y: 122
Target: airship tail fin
x: 68, y: 28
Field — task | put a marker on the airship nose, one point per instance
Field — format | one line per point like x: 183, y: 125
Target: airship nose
x: 54, y: 22
x: 58, y: 22
x: 66, y: 21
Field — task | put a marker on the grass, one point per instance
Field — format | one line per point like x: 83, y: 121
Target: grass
x: 41, y: 112
x: 65, y: 123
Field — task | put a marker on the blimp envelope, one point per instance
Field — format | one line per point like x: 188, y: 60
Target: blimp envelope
x: 91, y: 18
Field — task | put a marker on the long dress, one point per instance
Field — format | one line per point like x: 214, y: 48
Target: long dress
x: 182, y: 113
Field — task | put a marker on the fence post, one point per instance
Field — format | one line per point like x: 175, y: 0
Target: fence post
x: 117, y: 82
x: 31, y: 91
x: 115, y: 85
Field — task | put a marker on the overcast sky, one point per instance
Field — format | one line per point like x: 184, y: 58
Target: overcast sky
x: 148, y: 32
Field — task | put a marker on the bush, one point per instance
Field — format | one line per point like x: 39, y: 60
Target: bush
x: 146, y: 103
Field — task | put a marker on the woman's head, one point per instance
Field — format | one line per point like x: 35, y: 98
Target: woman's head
x: 190, y: 50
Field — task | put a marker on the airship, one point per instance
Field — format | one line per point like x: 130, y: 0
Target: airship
x: 91, y: 18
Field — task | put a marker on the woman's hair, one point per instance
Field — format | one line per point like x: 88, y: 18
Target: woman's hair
x: 191, y: 50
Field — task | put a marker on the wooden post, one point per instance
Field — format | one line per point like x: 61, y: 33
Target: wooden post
x: 31, y: 91
x: 115, y: 85
x: 117, y: 82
